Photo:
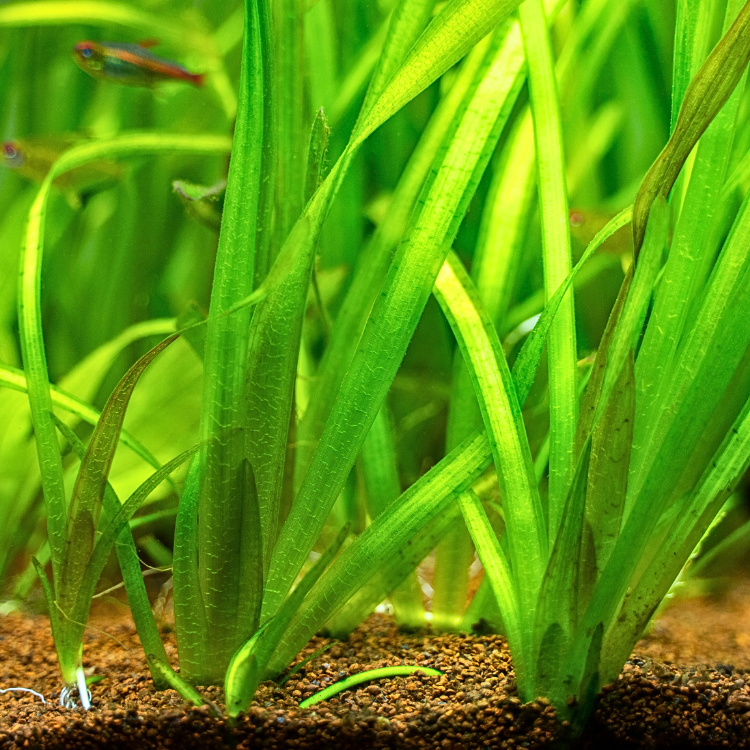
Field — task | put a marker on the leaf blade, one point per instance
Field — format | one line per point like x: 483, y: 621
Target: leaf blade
x: 397, y: 311
x: 705, y: 96
x: 499, y: 574
x: 249, y: 662
x: 455, y: 30
x: 553, y: 202
x: 372, y: 549
x: 501, y: 414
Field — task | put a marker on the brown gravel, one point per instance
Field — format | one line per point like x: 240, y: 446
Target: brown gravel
x: 686, y: 688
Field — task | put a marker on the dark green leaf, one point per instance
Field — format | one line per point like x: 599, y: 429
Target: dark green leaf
x: 611, y: 443
x: 316, y: 153
x: 85, y: 503
x: 557, y: 611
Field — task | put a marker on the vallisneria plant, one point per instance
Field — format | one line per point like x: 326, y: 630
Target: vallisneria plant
x: 591, y: 512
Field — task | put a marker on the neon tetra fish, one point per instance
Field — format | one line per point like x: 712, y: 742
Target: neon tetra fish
x: 130, y: 64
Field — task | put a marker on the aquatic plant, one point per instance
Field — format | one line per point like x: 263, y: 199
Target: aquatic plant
x: 583, y: 508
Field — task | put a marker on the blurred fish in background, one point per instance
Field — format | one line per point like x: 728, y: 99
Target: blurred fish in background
x: 585, y: 224
x: 32, y: 158
x: 130, y: 64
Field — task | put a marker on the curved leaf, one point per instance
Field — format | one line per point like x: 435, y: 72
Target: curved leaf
x: 450, y: 35
x: 249, y: 662
x: 86, y: 500
x: 368, y: 676
x: 493, y: 385
x: 29, y: 306
x: 372, y: 550
x: 556, y: 255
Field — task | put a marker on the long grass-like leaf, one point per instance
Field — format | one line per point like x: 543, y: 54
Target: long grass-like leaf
x: 86, y: 499
x: 500, y: 577
x: 191, y: 627
x: 501, y: 414
x: 623, y: 327
x: 406, y: 25
x: 450, y: 35
x: 494, y: 268
x: 556, y: 615
x: 140, y: 606
x: 500, y: 242
x: 379, y: 465
x: 704, y: 98
x: 689, y: 254
x: 611, y: 444
x: 373, y: 264
x: 592, y: 394
x: 272, y: 355
x: 553, y: 202
x: 693, y: 413
x: 496, y: 260
x: 397, y: 311
x: 716, y: 485
x: 717, y: 295
x: 222, y: 418
x: 35, y: 363
x: 130, y: 566
x: 285, y: 82
x: 67, y: 668
x: 691, y: 46
x: 378, y: 462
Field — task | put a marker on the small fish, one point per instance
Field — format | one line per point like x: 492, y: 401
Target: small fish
x: 130, y: 64
x: 585, y: 224
x: 32, y: 158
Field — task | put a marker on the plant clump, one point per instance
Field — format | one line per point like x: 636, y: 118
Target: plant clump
x: 460, y: 282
